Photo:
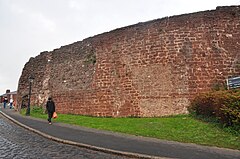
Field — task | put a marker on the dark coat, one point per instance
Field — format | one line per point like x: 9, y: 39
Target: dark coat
x: 50, y: 106
x: 5, y: 100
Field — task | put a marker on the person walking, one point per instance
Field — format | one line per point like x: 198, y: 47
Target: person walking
x: 5, y: 102
x: 50, y: 107
x: 11, y: 103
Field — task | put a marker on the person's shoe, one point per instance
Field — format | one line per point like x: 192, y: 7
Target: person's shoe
x: 50, y: 123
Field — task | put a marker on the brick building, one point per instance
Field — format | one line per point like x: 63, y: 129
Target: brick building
x: 10, y: 95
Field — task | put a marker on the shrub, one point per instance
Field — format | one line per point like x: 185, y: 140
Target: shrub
x: 38, y: 109
x: 223, y: 105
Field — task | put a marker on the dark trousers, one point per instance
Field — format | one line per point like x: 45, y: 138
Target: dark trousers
x: 50, y: 115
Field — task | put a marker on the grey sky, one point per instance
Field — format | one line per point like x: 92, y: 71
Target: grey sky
x: 28, y: 27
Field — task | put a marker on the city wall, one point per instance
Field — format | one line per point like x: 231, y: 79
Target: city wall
x: 148, y: 69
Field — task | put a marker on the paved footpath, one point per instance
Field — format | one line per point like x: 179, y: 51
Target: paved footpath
x: 126, y: 145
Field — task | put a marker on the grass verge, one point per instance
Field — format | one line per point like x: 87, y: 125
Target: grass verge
x: 181, y: 128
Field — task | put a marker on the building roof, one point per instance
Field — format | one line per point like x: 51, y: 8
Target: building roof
x: 14, y: 92
x: 10, y: 93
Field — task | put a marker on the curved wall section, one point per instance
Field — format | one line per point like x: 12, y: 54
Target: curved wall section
x: 148, y: 69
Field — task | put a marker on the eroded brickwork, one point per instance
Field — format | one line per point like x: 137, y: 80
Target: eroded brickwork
x: 148, y: 69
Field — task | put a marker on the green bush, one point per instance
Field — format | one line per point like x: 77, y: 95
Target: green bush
x: 38, y: 109
x: 223, y: 105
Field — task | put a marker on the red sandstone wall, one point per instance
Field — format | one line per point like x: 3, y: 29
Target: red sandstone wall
x: 147, y: 69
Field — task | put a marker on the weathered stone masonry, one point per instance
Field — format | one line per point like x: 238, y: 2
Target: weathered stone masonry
x: 148, y: 69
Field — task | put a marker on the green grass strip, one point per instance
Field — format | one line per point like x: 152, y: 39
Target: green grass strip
x: 181, y: 128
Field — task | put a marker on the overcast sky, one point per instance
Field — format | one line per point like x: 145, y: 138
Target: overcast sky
x: 28, y: 27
